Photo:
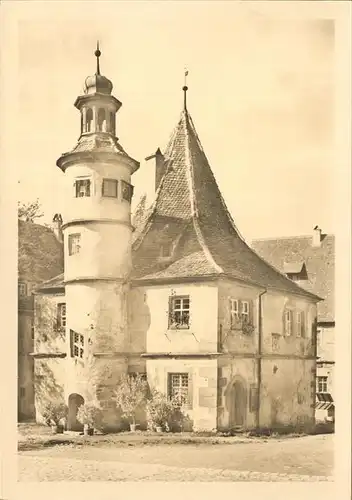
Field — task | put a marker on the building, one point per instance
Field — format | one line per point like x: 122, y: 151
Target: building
x: 182, y: 299
x: 40, y: 257
x: 310, y: 262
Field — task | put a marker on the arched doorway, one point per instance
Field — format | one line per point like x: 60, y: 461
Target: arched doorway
x: 74, y: 402
x: 237, y: 402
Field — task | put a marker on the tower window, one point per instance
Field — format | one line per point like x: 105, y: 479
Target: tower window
x: 110, y: 188
x: 77, y: 344
x: 74, y: 243
x: 89, y: 120
x: 112, y: 123
x: 82, y: 188
x: 127, y: 191
x: 101, y: 124
x: 300, y: 324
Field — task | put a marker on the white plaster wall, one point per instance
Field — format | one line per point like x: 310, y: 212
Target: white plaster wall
x: 204, y: 418
x: 202, y: 334
x: 105, y: 251
x: 96, y: 206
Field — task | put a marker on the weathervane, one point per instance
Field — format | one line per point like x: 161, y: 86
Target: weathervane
x: 185, y: 88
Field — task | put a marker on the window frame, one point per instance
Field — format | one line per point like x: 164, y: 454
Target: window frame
x: 300, y: 324
x: 322, y: 379
x: 126, y: 185
x: 288, y: 332
x: 182, y: 310
x: 61, y: 318
x: 234, y: 312
x: 173, y: 390
x: 85, y: 182
x: 245, y: 315
x: 106, y: 180
x: 73, y: 246
x: 77, y: 345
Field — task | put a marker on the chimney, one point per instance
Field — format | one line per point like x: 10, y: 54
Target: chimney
x: 159, y: 164
x: 57, y: 227
x: 316, y: 237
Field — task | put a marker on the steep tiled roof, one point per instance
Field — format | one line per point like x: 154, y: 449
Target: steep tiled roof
x: 189, y: 203
x: 319, y: 262
x: 40, y: 254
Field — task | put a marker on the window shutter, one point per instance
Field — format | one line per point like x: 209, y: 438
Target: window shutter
x: 303, y: 323
x: 284, y: 322
x: 57, y: 325
x: 88, y: 187
x: 169, y: 314
x: 76, y: 188
x: 250, y: 306
x: 190, y: 390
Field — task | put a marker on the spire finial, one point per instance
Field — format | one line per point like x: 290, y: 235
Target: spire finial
x: 97, y: 54
x: 185, y: 88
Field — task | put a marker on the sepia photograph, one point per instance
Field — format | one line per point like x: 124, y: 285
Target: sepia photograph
x: 175, y: 191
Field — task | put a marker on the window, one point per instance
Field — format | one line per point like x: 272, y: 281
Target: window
x: 179, y: 387
x: 234, y: 311
x: 82, y: 188
x: 61, y: 316
x: 322, y: 384
x: 288, y: 322
x: 110, y: 188
x: 165, y: 250
x: 127, y: 191
x: 22, y: 289
x: 179, y: 312
x: 89, y: 120
x: 300, y: 324
x: 245, y: 311
x: 77, y: 344
x: 74, y: 243
x: 101, y: 125
x: 112, y: 122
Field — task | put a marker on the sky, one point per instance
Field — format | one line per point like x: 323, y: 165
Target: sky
x: 261, y: 95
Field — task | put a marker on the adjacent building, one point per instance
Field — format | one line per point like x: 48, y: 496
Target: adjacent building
x: 310, y: 262
x: 181, y: 298
x: 40, y: 257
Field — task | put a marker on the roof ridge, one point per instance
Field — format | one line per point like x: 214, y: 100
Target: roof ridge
x: 198, y: 231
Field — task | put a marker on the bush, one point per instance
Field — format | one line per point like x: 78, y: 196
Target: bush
x: 130, y: 395
x: 159, y: 410
x: 90, y: 414
x: 53, y: 413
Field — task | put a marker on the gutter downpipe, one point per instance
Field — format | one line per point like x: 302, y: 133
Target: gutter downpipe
x: 259, y: 365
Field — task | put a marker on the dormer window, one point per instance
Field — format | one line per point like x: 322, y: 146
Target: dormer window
x: 166, y: 250
x: 296, y: 271
x: 82, y: 188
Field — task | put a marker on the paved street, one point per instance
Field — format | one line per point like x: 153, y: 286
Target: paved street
x: 307, y: 458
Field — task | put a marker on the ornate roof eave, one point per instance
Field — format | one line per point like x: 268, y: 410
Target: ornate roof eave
x: 97, y: 95
x: 72, y: 157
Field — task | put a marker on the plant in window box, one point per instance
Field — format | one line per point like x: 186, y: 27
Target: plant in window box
x: 130, y: 395
x: 247, y: 327
x: 90, y: 416
x: 55, y: 415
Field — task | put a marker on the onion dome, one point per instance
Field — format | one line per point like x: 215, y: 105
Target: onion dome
x: 97, y: 84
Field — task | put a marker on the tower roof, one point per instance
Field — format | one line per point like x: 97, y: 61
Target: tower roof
x: 189, y: 214
x: 97, y: 83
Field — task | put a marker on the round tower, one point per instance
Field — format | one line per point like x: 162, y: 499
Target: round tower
x: 97, y: 249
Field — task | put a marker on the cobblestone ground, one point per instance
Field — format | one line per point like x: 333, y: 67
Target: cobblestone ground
x: 302, y: 459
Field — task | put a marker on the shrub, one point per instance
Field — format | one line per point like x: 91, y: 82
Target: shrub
x: 90, y: 414
x: 130, y: 395
x: 53, y: 413
x: 163, y: 412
